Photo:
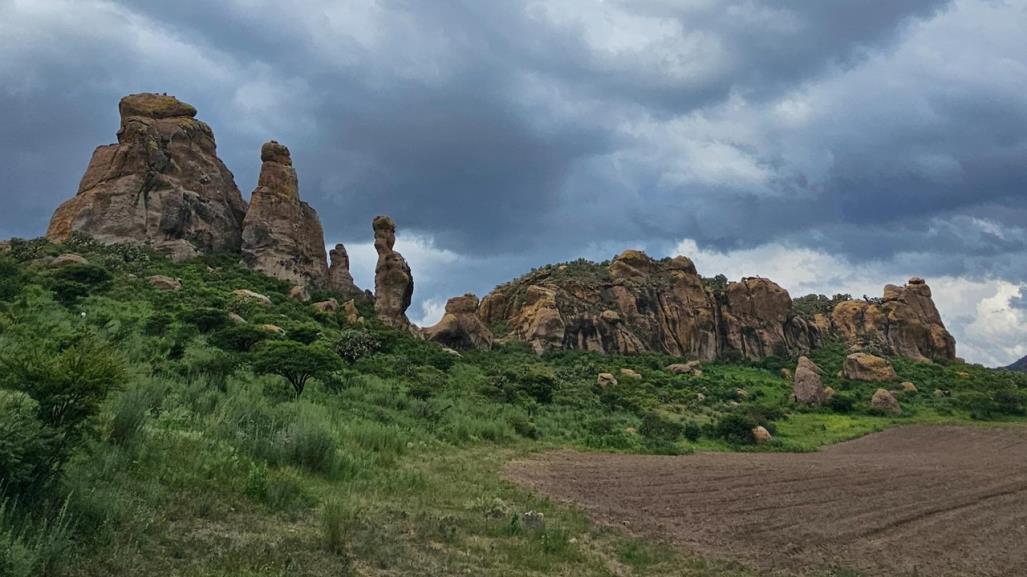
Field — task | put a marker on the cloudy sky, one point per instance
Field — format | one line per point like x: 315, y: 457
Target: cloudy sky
x: 829, y: 145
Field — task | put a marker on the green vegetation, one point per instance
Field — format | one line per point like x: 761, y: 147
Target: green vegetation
x: 144, y: 432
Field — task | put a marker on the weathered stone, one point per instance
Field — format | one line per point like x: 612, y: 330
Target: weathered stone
x: 758, y: 320
x: 829, y: 393
x: 248, y: 295
x: 761, y: 435
x: 236, y: 319
x: 273, y: 329
x: 630, y: 373
x: 606, y: 379
x: 885, y: 402
x: 808, y: 388
x: 393, y: 282
x: 865, y: 367
x: 689, y: 368
x: 282, y: 235
x: 164, y: 283
x: 67, y: 259
x: 162, y: 185
x: 908, y: 387
x: 352, y: 313
x: 300, y: 294
x: 328, y: 306
x: 339, y: 278
x: 460, y: 327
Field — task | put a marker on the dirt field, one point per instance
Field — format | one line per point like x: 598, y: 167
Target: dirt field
x: 930, y: 501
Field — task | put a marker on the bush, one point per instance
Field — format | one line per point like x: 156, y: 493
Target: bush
x: 737, y: 427
x: 206, y: 319
x: 74, y: 281
x: 306, y: 334
x: 692, y: 431
x: 295, y: 361
x: 840, y: 403
x: 12, y: 280
x: 239, y: 338
x: 353, y: 345
x: 427, y: 381
x: 656, y: 426
x: 27, y: 447
x: 308, y: 443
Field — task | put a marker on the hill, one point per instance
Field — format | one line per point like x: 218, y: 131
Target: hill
x: 1020, y: 365
x: 196, y: 418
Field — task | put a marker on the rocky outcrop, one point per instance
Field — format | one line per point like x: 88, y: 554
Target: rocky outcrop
x: 905, y: 323
x: 808, y: 388
x: 638, y: 304
x: 162, y: 185
x: 339, y: 278
x: 460, y: 328
x: 393, y: 283
x: 282, y: 235
x: 864, y: 367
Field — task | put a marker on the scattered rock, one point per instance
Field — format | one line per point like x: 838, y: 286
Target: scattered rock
x: 689, y: 368
x: 630, y: 373
x: 828, y: 393
x: 700, y: 397
x: 352, y: 313
x: 164, y: 283
x: 162, y: 185
x: 786, y: 373
x: 741, y: 394
x: 273, y: 329
x: 885, y: 402
x: 393, y: 283
x: 67, y: 259
x: 908, y: 387
x: 867, y: 367
x: 451, y: 351
x: 282, y: 235
x: 328, y: 306
x: 248, y: 295
x: 808, y: 388
x: 761, y: 435
x: 236, y: 319
x: 606, y: 379
x: 300, y: 294
x: 460, y: 327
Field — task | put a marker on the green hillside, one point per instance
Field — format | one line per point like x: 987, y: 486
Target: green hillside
x: 150, y: 432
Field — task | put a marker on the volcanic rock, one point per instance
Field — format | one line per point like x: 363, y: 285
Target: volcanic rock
x: 460, y: 328
x: 339, y: 278
x: 162, y: 184
x: 865, y: 367
x: 393, y: 283
x: 808, y: 387
x: 282, y: 235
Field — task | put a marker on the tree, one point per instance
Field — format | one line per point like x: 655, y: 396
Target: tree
x: 295, y: 361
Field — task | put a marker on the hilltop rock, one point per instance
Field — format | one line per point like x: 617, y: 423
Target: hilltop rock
x: 460, y: 328
x: 864, y: 367
x: 162, y: 184
x: 905, y: 323
x: 339, y: 278
x: 393, y: 283
x: 282, y: 235
x: 808, y: 387
x: 758, y: 320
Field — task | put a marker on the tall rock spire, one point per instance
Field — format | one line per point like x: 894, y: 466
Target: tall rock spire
x: 162, y: 184
x: 393, y: 283
x: 339, y: 278
x: 281, y: 235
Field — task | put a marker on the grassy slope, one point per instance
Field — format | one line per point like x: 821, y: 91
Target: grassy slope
x: 197, y: 466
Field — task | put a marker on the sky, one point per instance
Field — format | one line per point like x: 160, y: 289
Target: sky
x: 830, y: 146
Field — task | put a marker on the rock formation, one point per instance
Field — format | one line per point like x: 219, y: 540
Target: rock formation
x: 460, y: 328
x: 864, y: 367
x: 162, y: 184
x: 282, y: 235
x: 339, y: 278
x: 885, y: 402
x: 905, y: 323
x: 758, y: 321
x: 393, y: 283
x: 808, y: 388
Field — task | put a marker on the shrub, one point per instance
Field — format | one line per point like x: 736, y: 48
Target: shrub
x: 27, y: 447
x: 737, y: 427
x: 74, y: 281
x: 659, y: 427
x: 206, y: 319
x: 158, y: 324
x: 11, y: 278
x: 295, y: 361
x: 840, y: 403
x: 355, y: 344
x: 427, y: 381
x: 309, y: 444
x: 692, y: 431
x: 524, y: 427
x: 239, y: 338
x: 306, y: 334
x: 337, y: 526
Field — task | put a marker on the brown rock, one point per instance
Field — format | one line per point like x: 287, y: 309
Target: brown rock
x: 164, y: 283
x: 393, y: 283
x: 328, y: 306
x: 865, y: 367
x: 248, y: 295
x: 273, y: 329
x: 908, y: 387
x: 630, y: 373
x: 885, y: 402
x: 352, y: 313
x: 761, y: 435
x: 689, y: 368
x: 67, y: 259
x: 299, y: 293
x: 808, y: 388
x: 758, y: 320
x: 162, y: 184
x: 339, y: 278
x: 282, y: 235
x: 606, y: 379
x: 828, y: 393
x: 460, y: 328
x: 236, y: 319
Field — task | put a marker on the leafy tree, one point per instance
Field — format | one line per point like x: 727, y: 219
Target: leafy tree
x: 206, y: 319
x: 295, y: 361
x: 352, y: 345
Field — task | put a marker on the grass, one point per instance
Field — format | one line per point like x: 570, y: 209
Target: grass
x: 184, y: 461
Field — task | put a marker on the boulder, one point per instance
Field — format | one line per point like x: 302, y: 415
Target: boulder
x: 352, y: 313
x: 393, y: 282
x: 236, y: 319
x: 630, y: 373
x: 867, y: 367
x: 689, y: 368
x: 808, y: 388
x: 282, y: 235
x: 162, y: 185
x: 273, y: 329
x: 164, y: 283
x: 700, y: 397
x: 908, y: 387
x: 328, y: 306
x: 67, y: 259
x: 339, y: 278
x: 248, y: 295
x: 829, y: 393
x: 299, y: 294
x: 885, y: 402
x: 761, y: 435
x: 460, y: 328
x: 606, y: 379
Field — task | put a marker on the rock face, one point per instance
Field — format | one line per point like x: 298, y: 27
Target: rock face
x: 339, y: 278
x: 393, y: 283
x: 808, y: 387
x: 162, y: 184
x: 904, y: 323
x: 864, y: 367
x: 460, y: 328
x: 638, y: 304
x: 281, y: 235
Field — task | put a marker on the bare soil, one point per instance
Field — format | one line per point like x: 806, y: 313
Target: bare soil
x: 931, y: 501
